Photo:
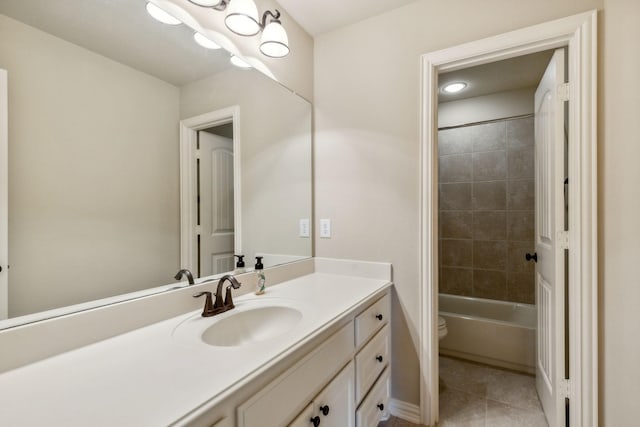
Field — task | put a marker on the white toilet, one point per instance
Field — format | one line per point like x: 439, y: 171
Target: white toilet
x: 442, y: 328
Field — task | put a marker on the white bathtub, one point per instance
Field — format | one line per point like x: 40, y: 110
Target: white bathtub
x: 493, y: 332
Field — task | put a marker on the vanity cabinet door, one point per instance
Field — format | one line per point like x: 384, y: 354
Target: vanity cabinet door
x: 306, y: 418
x: 335, y: 405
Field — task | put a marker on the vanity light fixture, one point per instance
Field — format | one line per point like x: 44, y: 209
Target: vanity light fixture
x: 204, y: 41
x: 243, y: 19
x: 239, y: 62
x: 454, y: 87
x: 162, y: 15
x: 214, y: 4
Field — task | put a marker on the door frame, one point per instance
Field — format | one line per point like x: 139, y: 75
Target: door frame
x: 4, y: 195
x: 188, y: 187
x: 579, y: 33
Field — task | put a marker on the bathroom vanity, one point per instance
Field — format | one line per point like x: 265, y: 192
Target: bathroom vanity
x: 314, y: 350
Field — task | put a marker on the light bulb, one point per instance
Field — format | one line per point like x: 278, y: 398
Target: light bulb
x: 162, y: 15
x: 274, y: 41
x: 204, y: 41
x: 454, y: 87
x: 206, y: 3
x: 239, y: 62
x: 242, y: 18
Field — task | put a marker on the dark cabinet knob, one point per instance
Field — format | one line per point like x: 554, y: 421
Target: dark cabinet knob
x: 379, y: 316
x: 381, y: 406
x: 325, y: 410
x: 533, y: 257
x: 315, y: 421
x: 379, y: 358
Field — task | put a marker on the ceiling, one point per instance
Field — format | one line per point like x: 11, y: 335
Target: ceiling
x: 511, y: 74
x: 123, y: 31
x: 318, y: 17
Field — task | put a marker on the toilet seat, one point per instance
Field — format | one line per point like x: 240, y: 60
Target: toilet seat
x: 442, y: 327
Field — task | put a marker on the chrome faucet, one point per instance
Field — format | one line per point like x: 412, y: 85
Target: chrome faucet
x: 185, y: 272
x: 220, y: 306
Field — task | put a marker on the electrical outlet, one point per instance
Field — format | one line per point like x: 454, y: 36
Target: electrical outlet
x: 325, y: 228
x: 304, y: 227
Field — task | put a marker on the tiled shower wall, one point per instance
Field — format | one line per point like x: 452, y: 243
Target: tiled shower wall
x: 486, y: 175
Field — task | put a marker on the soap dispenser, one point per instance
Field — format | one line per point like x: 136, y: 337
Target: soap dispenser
x: 240, y: 268
x: 260, y: 278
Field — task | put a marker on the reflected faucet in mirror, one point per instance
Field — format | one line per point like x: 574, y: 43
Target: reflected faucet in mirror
x: 185, y: 272
x: 220, y: 306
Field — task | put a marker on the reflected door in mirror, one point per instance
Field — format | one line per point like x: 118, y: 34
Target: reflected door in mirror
x: 215, y: 203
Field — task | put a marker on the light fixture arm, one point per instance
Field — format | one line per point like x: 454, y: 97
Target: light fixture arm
x: 275, y: 16
x: 219, y: 7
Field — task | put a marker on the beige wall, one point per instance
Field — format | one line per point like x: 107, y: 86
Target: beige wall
x: 488, y: 107
x: 275, y: 140
x: 93, y: 173
x: 367, y: 100
x: 619, y: 212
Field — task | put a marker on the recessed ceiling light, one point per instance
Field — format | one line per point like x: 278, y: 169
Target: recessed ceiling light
x: 162, y: 15
x: 239, y: 62
x: 204, y: 41
x: 454, y: 87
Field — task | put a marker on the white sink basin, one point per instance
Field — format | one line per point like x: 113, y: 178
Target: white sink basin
x: 252, y: 325
x: 252, y: 321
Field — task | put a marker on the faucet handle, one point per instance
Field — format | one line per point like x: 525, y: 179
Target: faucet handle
x: 208, y: 304
x: 228, y: 299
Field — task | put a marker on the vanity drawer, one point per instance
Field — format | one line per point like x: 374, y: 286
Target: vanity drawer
x: 376, y: 406
x: 372, y: 319
x: 370, y: 361
x: 280, y: 400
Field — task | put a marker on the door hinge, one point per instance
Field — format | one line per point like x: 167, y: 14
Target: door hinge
x: 563, y: 91
x: 563, y: 239
x: 198, y: 229
x: 564, y: 388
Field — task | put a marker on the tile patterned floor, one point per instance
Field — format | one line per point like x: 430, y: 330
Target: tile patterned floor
x: 474, y: 395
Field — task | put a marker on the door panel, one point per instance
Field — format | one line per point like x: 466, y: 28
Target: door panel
x: 336, y: 403
x: 216, y: 204
x: 549, y: 140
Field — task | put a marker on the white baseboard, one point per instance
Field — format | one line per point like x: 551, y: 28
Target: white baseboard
x: 406, y: 411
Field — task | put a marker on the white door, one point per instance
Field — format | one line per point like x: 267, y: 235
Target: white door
x: 549, y: 165
x: 4, y: 199
x: 216, y: 204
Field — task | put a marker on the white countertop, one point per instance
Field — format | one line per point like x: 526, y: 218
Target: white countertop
x: 153, y: 376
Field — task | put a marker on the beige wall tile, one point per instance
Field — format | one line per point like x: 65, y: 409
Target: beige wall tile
x: 521, y: 287
x: 491, y: 195
x: 520, y: 226
x: 520, y: 163
x: 489, y: 136
x: 490, y: 284
x: 456, y: 253
x: 455, y: 168
x: 456, y: 225
x: 490, y: 254
x: 520, y: 133
x: 455, y: 196
x: 456, y: 281
x: 489, y: 166
x: 454, y: 141
x: 521, y: 195
x: 489, y: 225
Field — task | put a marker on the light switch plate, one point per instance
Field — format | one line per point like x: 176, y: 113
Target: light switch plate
x: 304, y: 227
x: 325, y: 228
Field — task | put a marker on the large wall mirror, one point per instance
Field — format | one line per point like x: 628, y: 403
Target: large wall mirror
x: 97, y: 93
